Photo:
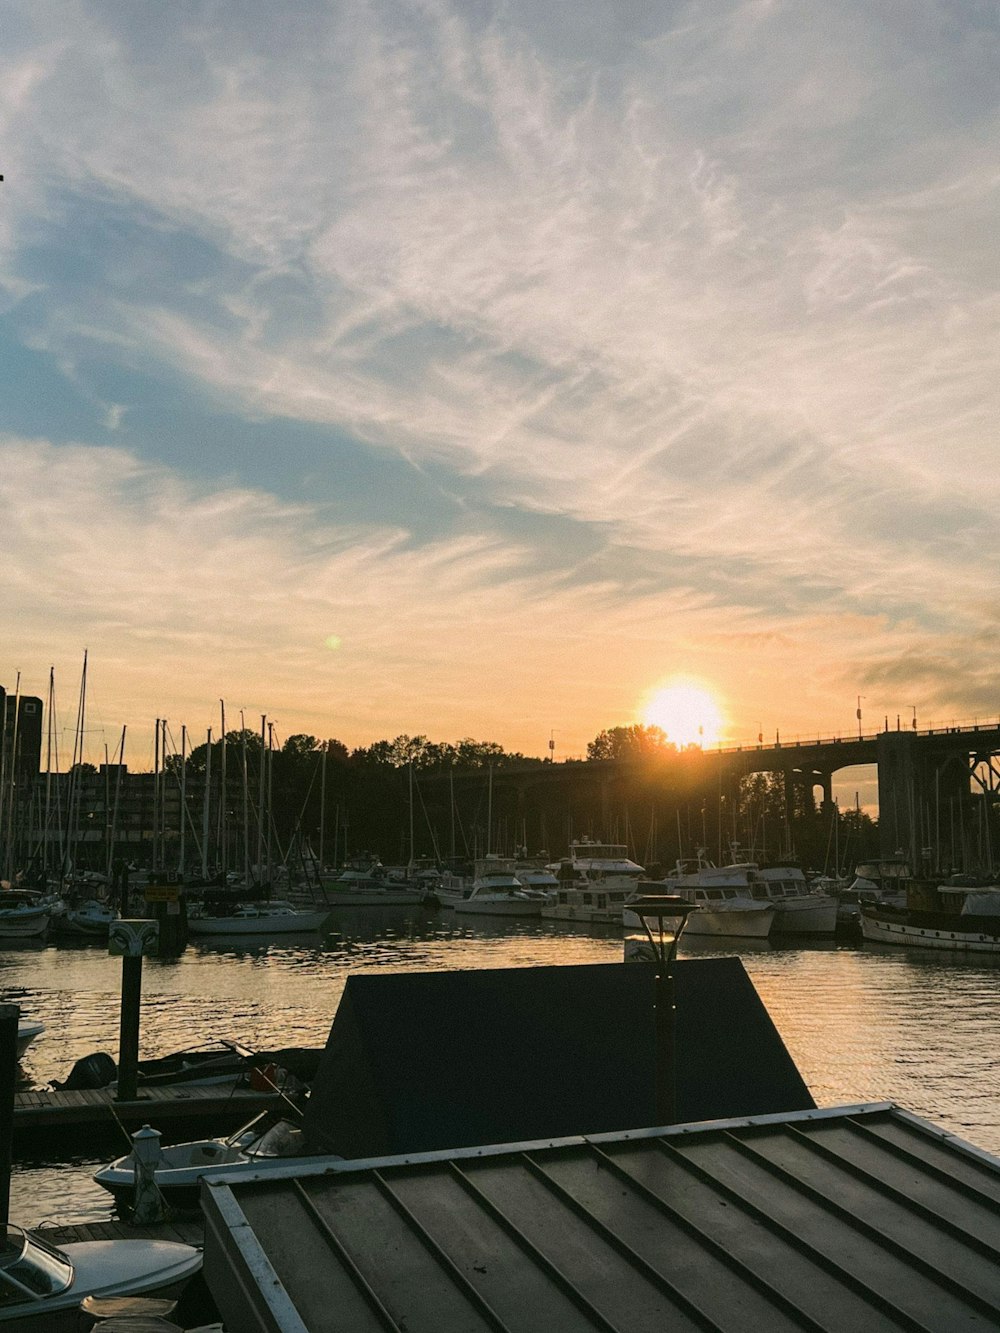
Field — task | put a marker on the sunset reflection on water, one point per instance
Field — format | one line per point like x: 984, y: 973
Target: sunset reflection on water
x: 863, y: 1024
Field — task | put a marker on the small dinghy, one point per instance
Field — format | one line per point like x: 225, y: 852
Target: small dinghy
x: 268, y: 1141
x: 217, y: 1063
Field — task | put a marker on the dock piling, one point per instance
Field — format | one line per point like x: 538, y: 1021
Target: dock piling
x: 129, y: 940
x: 10, y: 1015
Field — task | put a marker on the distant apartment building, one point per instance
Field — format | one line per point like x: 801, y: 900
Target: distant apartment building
x: 21, y: 750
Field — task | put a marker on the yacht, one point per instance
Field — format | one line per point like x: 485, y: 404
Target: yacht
x: 594, y: 883
x: 497, y: 891
x: 961, y: 915
x: 601, y: 864
x: 365, y: 882
x: 596, y: 904
x: 799, y: 910
x: 534, y: 874
x: 726, y: 901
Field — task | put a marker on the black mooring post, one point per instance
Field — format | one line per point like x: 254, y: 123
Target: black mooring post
x: 9, y: 1016
x: 128, y: 1031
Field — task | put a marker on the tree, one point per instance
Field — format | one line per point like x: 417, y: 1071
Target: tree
x: 633, y: 742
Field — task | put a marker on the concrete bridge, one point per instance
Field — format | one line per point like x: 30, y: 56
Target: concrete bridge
x: 929, y: 782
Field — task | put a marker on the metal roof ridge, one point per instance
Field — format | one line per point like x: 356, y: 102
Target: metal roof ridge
x: 329, y: 1165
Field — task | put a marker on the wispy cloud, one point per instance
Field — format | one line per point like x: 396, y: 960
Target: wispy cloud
x: 717, y: 290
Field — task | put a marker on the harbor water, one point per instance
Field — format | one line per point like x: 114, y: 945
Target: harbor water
x: 863, y: 1023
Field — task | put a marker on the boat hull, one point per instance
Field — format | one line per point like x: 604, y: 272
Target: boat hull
x: 293, y: 924
x: 107, y: 1268
x: 374, y: 898
x: 26, y: 1034
x: 740, y: 924
x: 497, y: 907
x: 16, y: 925
x: 803, y: 917
x: 180, y: 1186
x: 916, y: 931
x: 588, y: 916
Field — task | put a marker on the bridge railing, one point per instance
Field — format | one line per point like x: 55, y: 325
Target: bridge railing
x: 802, y: 742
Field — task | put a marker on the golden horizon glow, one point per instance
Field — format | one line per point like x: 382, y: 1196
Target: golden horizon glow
x: 689, y: 713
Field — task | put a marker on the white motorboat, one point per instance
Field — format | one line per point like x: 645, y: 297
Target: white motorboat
x: 497, y: 891
x: 266, y: 1142
x: 799, y: 910
x: 26, y: 1034
x: 453, y: 888
x: 723, y: 895
x: 593, y: 883
x: 535, y: 875
x: 364, y: 882
x: 23, y: 915
x: 605, y: 865
x: 41, y: 1287
x: 595, y: 905
x: 269, y: 918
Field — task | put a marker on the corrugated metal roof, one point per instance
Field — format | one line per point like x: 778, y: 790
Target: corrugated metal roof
x: 855, y: 1218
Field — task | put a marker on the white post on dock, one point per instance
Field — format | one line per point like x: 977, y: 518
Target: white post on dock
x: 147, y: 1205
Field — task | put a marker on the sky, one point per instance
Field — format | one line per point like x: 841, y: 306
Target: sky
x: 475, y: 369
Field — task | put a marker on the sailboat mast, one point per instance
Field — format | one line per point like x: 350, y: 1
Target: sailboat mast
x: 180, y: 866
x: 489, y: 816
x: 246, y: 800
x: 409, y: 868
x: 114, y: 811
x: 156, y: 796
x: 223, y: 800
x: 270, y: 776
x: 262, y: 808
x: 206, y: 806
x: 322, y: 805
x: 48, y: 769
x: 451, y: 791
x: 76, y: 777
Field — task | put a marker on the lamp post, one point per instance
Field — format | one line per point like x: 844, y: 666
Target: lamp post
x: 661, y: 919
x: 860, y: 697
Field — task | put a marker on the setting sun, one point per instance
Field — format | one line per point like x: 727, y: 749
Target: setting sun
x: 687, y: 713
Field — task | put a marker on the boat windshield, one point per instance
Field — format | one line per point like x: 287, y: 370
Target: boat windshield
x: 30, y: 1269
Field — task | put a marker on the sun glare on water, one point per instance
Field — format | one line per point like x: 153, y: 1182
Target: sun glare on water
x: 687, y: 713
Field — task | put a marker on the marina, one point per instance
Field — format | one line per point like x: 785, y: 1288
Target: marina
x: 867, y: 1022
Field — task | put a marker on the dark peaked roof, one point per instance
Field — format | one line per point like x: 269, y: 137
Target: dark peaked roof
x: 423, y: 1061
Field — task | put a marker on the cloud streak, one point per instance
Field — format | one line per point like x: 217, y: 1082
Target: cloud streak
x: 716, y: 295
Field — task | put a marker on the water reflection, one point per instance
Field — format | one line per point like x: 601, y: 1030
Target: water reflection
x: 863, y: 1024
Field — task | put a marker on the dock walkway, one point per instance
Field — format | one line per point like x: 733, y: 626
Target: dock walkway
x: 189, y: 1232
x: 48, y: 1115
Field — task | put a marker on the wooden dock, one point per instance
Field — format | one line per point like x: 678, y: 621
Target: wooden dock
x: 189, y: 1232
x: 48, y: 1117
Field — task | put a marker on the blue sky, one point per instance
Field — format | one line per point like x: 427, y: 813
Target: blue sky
x: 534, y: 354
